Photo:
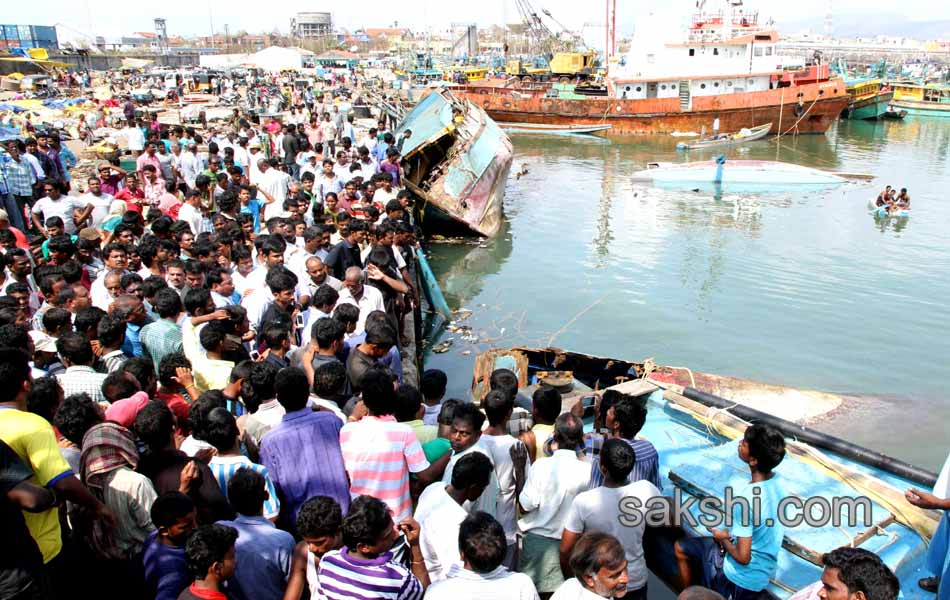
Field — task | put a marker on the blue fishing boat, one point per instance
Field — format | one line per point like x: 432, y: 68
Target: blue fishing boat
x: 696, y: 433
x: 456, y: 161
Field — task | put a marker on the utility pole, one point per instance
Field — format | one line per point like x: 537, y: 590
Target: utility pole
x: 211, y: 22
x: 227, y: 37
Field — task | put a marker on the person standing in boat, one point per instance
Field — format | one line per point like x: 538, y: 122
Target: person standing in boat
x: 939, y: 547
x: 739, y: 563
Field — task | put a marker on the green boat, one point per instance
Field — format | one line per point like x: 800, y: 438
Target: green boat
x: 870, y: 99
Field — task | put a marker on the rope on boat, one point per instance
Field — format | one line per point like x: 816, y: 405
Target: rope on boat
x: 804, y: 114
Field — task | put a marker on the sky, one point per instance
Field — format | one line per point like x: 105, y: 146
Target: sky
x: 195, y: 17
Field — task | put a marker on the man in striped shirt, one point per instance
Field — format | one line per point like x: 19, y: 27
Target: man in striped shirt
x: 364, y: 568
x: 222, y: 434
x: 379, y: 453
x: 624, y: 421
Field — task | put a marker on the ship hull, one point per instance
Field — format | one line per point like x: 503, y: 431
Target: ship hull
x: 820, y: 105
x: 871, y: 108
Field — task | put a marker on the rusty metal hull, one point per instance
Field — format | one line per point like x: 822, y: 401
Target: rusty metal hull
x: 819, y: 105
x: 457, y: 161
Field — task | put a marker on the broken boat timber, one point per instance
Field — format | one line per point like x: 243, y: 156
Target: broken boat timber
x: 457, y: 161
x: 696, y: 434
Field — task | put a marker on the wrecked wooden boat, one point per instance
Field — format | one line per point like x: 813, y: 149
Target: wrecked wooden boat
x: 456, y: 161
x: 696, y: 434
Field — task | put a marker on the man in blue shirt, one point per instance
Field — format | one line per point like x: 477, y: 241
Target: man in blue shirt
x: 264, y: 553
x: 749, y: 552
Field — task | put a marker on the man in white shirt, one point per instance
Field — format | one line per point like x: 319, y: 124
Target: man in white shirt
x: 364, y: 297
x: 99, y: 200
x: 604, y: 509
x: 464, y: 438
x: 190, y: 211
x: 480, y: 575
x: 254, y: 154
x: 274, y: 182
x: 189, y: 165
x: 503, y: 448
x: 600, y: 569
x: 546, y: 500
x: 241, y: 155
x: 135, y: 138
x: 440, y: 512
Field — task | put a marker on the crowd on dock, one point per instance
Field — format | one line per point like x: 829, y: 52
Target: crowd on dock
x: 206, y: 392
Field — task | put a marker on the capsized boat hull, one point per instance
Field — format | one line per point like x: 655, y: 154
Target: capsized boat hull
x: 697, y: 446
x: 751, y: 173
x: 457, y: 161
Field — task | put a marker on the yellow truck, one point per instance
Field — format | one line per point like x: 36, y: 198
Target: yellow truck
x: 563, y: 67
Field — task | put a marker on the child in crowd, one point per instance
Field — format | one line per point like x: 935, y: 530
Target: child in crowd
x: 319, y: 525
x: 432, y: 385
x: 166, y: 573
x: 210, y: 557
x: 751, y: 548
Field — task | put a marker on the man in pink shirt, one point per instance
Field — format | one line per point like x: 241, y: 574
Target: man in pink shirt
x: 154, y: 186
x: 379, y: 453
x: 149, y: 157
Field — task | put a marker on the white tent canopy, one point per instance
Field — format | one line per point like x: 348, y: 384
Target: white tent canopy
x: 274, y: 58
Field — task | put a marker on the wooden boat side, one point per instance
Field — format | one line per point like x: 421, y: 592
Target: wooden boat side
x: 756, y: 133
x: 792, y: 404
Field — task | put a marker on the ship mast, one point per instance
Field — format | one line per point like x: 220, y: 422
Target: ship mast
x: 610, y: 28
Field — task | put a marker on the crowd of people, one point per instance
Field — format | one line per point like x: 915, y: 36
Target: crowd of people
x: 202, y: 395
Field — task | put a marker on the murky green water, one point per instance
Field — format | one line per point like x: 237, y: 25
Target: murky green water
x: 799, y: 288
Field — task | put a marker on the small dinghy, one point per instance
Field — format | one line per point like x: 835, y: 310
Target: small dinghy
x: 727, y: 139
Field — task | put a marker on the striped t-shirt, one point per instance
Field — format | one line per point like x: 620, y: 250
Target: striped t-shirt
x: 379, y: 454
x: 224, y: 467
x: 345, y: 577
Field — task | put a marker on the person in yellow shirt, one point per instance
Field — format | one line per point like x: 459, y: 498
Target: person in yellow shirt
x: 212, y: 372
x: 32, y: 438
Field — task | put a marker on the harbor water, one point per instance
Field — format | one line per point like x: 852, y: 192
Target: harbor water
x: 797, y: 287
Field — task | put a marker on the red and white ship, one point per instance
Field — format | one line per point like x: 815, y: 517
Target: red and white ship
x: 724, y: 66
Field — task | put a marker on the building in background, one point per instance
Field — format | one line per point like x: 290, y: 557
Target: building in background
x: 28, y: 36
x: 311, y: 25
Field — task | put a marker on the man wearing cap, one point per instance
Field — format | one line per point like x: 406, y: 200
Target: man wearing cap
x: 189, y: 165
x: 254, y: 155
x: 310, y: 165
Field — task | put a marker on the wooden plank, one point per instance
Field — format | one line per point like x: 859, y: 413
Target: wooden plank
x: 637, y: 387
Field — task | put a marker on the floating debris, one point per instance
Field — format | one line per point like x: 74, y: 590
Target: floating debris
x: 465, y: 329
x: 443, y: 347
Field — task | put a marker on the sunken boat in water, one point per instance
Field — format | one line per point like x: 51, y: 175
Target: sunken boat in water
x: 456, y: 160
